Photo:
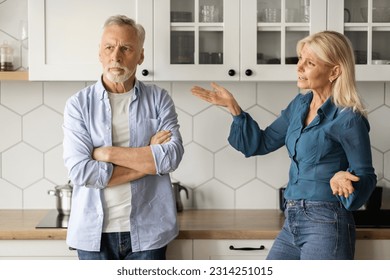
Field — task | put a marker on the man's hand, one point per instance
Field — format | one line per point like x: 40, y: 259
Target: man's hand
x: 341, y: 183
x: 101, y: 154
x: 161, y: 137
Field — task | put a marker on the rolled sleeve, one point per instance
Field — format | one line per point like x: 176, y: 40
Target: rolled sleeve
x: 83, y: 170
x: 167, y: 157
x: 356, y: 143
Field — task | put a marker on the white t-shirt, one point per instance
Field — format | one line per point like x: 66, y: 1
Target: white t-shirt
x: 117, y: 199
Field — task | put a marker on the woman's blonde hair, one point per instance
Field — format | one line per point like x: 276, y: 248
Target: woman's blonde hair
x: 334, y: 48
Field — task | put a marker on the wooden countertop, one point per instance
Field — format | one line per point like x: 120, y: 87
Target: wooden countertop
x: 20, y: 225
x: 230, y: 224
x: 194, y: 224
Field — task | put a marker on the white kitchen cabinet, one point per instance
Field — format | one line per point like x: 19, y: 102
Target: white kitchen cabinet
x: 372, y: 250
x: 367, y: 24
x: 36, y: 249
x: 180, y: 249
x: 243, y: 42
x: 64, y: 37
x: 221, y: 249
x: 231, y: 249
x: 189, y: 45
x: 269, y: 33
x: 181, y: 42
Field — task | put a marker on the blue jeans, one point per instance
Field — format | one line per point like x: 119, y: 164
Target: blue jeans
x: 315, y: 230
x: 117, y: 246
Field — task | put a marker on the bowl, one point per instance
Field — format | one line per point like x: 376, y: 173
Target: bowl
x: 380, y: 62
x: 379, y: 14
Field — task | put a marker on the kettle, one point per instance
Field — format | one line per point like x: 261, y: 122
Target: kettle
x: 176, y: 190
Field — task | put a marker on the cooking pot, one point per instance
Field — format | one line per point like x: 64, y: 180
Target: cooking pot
x: 63, y: 195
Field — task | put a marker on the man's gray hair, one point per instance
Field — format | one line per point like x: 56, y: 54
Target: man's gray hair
x: 124, y: 20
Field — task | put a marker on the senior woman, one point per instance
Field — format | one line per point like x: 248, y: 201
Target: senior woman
x: 326, y: 133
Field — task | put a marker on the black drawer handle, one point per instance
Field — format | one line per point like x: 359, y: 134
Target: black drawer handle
x: 247, y: 248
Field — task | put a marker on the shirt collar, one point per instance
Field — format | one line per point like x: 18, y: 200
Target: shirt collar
x: 328, y: 109
x: 102, y: 92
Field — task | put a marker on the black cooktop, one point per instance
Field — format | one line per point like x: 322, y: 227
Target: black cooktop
x: 372, y: 218
x: 53, y: 220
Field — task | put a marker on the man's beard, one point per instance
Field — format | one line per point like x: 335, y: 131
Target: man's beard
x: 117, y: 78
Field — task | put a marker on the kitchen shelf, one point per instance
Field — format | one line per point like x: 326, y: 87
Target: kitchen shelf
x: 14, y: 76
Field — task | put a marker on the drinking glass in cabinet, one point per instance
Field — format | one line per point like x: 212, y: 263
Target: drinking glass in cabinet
x: 379, y: 14
x: 380, y: 43
x: 292, y: 38
x: 305, y: 10
x: 375, y: 11
x: 182, y: 47
x: 369, y: 31
x: 268, y: 53
x: 294, y: 11
x: 355, y: 11
x: 210, y: 11
x: 182, y: 11
x: 359, y: 44
x: 291, y: 15
x: 268, y: 11
x: 211, y: 47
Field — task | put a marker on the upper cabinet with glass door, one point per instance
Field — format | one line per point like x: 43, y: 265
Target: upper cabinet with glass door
x: 196, y: 40
x: 367, y: 24
x: 270, y: 30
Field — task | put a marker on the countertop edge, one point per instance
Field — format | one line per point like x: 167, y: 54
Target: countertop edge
x: 194, y: 224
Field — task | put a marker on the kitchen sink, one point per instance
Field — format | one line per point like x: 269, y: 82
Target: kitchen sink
x: 372, y: 218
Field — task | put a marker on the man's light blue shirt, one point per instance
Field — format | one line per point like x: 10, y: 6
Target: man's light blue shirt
x: 87, y: 125
x: 336, y: 140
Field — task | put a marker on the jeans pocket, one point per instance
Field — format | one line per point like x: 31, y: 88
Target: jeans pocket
x: 321, y: 214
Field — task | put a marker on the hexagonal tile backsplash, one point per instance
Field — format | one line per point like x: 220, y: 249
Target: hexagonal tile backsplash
x: 217, y: 176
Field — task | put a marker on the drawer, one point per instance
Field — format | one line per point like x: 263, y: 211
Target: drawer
x: 231, y: 249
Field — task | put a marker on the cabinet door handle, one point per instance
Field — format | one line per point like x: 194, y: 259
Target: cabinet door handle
x: 145, y: 72
x: 231, y: 247
x: 248, y: 72
x: 231, y: 72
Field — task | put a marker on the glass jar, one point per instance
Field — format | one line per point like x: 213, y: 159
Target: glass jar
x: 6, y: 57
